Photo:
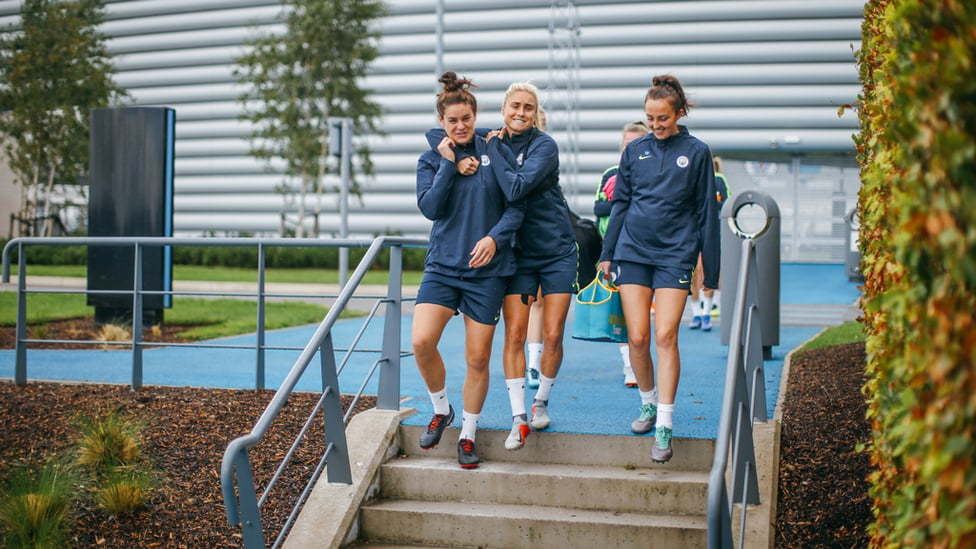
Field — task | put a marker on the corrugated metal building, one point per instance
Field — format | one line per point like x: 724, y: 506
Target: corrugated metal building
x: 768, y: 78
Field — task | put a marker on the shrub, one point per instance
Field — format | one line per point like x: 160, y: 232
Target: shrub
x: 111, y: 332
x: 34, y: 506
x: 917, y: 149
x: 123, y: 491
x: 108, y: 442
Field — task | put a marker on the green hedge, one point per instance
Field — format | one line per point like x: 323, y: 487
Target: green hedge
x: 245, y: 257
x: 917, y: 149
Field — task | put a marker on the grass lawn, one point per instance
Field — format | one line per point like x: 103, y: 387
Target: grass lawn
x: 848, y: 332
x: 213, y: 317
x: 228, y: 274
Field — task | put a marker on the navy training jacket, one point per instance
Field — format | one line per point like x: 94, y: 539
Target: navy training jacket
x: 464, y: 210
x: 527, y: 167
x: 664, y: 208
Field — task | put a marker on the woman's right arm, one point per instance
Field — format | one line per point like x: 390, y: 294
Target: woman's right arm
x: 621, y: 203
x: 540, y: 159
x: 435, y: 177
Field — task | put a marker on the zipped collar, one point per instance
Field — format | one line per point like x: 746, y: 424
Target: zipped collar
x: 664, y: 143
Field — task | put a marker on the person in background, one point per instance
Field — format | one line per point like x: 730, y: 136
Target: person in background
x: 534, y: 332
x: 664, y: 215
x: 702, y: 299
x: 601, y: 209
x: 469, y: 258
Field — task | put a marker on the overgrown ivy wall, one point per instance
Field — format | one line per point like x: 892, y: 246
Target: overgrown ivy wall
x: 917, y: 149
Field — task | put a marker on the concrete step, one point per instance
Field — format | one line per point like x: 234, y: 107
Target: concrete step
x: 592, y: 487
x: 561, y: 490
x: 380, y: 545
x: 567, y: 448
x: 491, y: 525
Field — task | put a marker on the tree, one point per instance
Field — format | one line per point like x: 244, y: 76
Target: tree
x: 54, y: 70
x: 300, y: 79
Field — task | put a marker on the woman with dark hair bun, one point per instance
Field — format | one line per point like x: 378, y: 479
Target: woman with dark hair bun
x: 468, y: 259
x: 664, y: 215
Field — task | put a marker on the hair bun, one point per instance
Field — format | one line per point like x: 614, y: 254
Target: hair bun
x: 451, y: 83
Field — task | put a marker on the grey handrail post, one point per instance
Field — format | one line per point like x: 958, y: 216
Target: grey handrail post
x: 335, y: 428
x: 736, y: 415
x: 20, y: 369
x: 137, y: 318
x: 249, y: 514
x: 259, y: 340
x: 752, y: 342
x: 388, y: 397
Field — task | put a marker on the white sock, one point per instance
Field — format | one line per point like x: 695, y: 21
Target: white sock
x: 625, y: 355
x: 535, y: 355
x: 545, y: 386
x: 649, y: 397
x: 441, y: 404
x: 469, y: 425
x: 695, y: 307
x: 664, y: 414
x: 707, y: 304
x: 516, y: 395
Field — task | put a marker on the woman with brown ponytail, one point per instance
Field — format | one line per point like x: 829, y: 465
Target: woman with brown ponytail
x: 468, y: 259
x: 664, y: 214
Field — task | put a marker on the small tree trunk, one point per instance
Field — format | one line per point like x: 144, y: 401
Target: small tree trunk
x: 29, y: 210
x: 300, y: 229
x: 48, y: 220
x: 319, y: 183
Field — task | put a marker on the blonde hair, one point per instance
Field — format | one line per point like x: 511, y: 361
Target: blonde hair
x: 717, y: 164
x: 634, y: 127
x: 540, y: 118
x: 523, y: 86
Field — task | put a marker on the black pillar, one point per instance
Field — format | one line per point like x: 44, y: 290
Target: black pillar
x: 130, y: 194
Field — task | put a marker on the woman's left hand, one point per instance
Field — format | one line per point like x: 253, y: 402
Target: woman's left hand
x: 483, y: 252
x: 496, y: 133
x: 468, y: 165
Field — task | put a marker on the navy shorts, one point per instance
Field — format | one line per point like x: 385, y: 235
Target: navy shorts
x: 479, y: 298
x: 651, y: 276
x: 554, y: 274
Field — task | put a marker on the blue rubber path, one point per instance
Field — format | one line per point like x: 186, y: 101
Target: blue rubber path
x: 588, y: 397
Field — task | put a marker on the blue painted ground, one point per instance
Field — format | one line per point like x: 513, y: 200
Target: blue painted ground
x: 589, y: 395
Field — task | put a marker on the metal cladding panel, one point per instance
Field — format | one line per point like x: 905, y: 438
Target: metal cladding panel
x: 768, y: 79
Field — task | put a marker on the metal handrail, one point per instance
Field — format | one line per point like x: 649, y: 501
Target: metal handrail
x: 237, y: 479
x: 743, y: 402
x: 240, y: 495
x: 138, y: 292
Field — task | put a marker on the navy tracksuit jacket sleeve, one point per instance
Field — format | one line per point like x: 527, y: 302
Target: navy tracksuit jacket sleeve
x: 435, y: 177
x: 540, y: 160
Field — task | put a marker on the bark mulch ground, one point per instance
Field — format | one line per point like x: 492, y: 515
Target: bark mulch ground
x: 823, y: 500
x: 823, y: 488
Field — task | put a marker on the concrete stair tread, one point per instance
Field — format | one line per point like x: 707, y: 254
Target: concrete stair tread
x: 500, y: 525
x: 561, y: 485
x: 470, y: 509
x: 546, y: 447
x: 438, y: 465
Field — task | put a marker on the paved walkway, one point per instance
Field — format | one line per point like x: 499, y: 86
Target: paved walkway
x: 589, y: 396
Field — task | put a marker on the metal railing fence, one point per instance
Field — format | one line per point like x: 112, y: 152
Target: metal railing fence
x: 743, y: 402
x: 236, y: 473
x: 237, y: 476
x: 137, y: 291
